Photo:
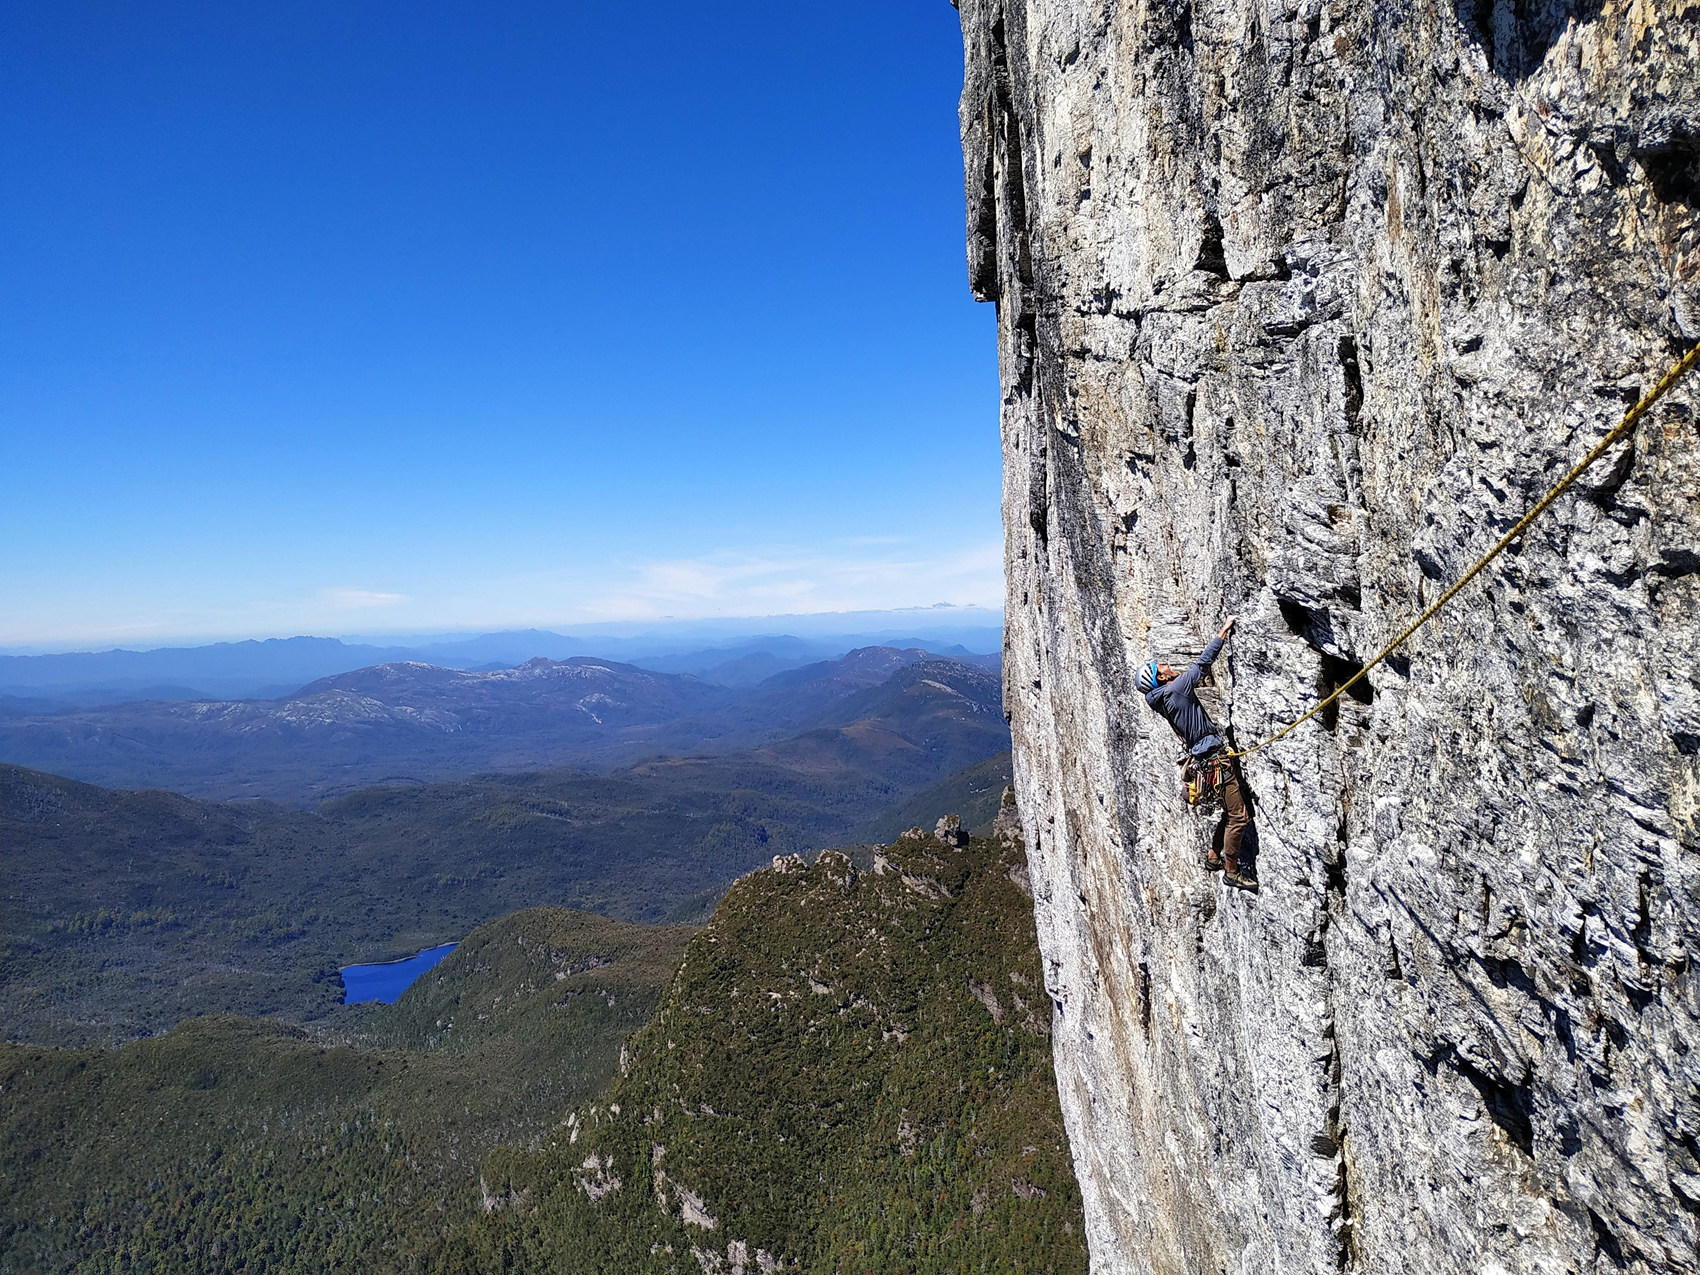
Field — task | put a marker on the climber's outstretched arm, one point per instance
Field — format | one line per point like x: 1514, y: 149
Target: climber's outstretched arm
x: 1189, y: 679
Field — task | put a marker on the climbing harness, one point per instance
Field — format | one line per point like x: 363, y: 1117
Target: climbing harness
x: 1683, y: 366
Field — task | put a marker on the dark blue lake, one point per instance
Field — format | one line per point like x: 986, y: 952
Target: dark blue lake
x: 388, y: 981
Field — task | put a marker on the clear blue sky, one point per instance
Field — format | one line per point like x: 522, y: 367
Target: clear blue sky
x: 353, y: 317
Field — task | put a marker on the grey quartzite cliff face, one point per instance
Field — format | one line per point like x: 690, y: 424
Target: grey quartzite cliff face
x: 1299, y: 307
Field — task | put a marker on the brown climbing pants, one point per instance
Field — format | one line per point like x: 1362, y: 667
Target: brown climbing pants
x: 1233, y: 802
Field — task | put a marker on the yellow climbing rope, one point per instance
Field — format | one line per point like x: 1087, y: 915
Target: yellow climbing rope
x: 1619, y: 431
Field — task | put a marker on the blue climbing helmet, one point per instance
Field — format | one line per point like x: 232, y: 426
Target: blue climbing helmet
x: 1147, y: 678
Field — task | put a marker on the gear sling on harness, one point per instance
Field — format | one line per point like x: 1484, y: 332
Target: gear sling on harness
x: 1205, y: 778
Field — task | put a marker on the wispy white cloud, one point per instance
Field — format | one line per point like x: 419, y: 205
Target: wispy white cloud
x: 861, y: 541
x: 733, y: 583
x: 362, y: 599
x: 874, y: 573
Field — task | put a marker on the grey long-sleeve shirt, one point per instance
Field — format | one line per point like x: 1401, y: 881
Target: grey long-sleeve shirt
x: 1180, y: 707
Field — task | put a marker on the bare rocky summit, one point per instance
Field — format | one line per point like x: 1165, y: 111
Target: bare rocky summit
x: 1300, y: 306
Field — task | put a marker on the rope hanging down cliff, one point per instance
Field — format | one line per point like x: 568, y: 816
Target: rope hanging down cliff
x: 1621, y: 430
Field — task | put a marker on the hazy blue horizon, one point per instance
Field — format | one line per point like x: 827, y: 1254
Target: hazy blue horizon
x: 666, y: 631
x: 391, y: 318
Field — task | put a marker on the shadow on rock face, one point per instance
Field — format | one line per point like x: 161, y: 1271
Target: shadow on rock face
x: 1515, y: 35
x: 1671, y: 160
x: 1248, y: 841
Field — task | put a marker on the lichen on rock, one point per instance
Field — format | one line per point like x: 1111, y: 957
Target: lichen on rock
x: 1299, y: 307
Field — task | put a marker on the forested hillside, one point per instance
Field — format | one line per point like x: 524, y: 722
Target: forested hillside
x: 232, y: 1145
x: 849, y: 1071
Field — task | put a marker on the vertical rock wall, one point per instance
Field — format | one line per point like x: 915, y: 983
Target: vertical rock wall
x: 1300, y: 305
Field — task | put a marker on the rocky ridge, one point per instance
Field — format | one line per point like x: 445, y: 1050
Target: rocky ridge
x: 850, y: 1072
x: 1300, y: 305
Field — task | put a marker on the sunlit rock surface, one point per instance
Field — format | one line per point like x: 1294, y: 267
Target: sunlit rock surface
x: 1299, y: 308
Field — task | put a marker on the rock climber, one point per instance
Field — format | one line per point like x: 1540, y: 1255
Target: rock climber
x: 1170, y: 693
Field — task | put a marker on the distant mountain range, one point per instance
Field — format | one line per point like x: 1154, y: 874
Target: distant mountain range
x: 882, y: 1033
x: 414, y: 722
x: 122, y: 912
x: 281, y: 666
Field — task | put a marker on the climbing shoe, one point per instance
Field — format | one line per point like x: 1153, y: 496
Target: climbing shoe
x: 1240, y: 882
x: 1212, y: 862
